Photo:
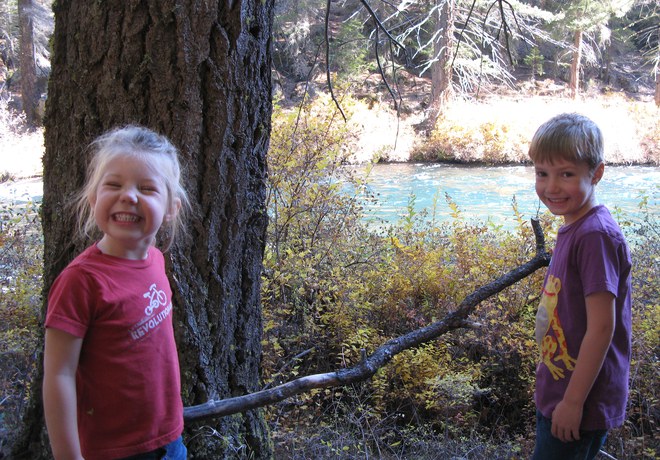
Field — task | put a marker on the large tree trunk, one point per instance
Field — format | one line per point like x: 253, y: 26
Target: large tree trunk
x: 198, y: 72
x: 28, y: 66
x: 575, y: 64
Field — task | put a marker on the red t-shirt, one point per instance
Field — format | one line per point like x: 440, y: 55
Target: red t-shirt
x: 128, y: 382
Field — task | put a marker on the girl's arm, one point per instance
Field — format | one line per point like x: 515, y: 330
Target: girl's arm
x: 61, y: 356
x: 600, y: 327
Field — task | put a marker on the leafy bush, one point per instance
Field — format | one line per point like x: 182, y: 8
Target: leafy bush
x: 475, y: 136
x: 20, y: 309
x: 311, y: 221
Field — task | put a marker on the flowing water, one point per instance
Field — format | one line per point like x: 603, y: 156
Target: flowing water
x: 486, y: 193
x: 481, y: 193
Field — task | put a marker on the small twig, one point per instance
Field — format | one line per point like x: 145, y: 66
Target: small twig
x: 327, y: 59
x: 287, y: 364
x: 382, y: 72
x: 380, y: 25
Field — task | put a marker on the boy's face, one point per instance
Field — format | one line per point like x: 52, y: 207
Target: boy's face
x: 567, y: 188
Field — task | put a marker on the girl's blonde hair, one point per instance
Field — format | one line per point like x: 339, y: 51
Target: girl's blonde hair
x: 569, y: 136
x: 146, y: 145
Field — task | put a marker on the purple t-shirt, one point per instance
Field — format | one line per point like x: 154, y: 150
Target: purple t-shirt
x: 591, y: 256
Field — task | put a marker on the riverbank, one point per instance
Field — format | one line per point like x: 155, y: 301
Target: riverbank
x: 496, y: 130
x: 503, y: 123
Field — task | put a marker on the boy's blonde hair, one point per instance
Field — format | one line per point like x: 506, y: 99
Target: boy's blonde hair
x: 569, y: 136
x: 137, y: 142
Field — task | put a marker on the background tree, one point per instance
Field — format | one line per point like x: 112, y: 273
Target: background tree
x: 586, y: 22
x: 441, y: 70
x: 8, y: 40
x: 29, y: 95
x: 25, y: 27
x: 644, y: 26
x: 200, y: 74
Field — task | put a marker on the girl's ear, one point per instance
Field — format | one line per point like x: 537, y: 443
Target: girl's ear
x: 173, y: 211
x: 598, y: 173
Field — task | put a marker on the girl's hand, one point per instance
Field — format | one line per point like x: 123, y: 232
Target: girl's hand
x: 566, y: 420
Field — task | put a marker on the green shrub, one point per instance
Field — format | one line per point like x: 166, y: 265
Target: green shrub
x: 21, y: 248
x: 475, y: 134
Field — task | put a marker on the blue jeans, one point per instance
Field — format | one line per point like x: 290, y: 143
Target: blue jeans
x: 172, y: 451
x: 550, y: 448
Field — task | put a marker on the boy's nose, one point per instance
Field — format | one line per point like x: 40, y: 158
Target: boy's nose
x: 552, y: 184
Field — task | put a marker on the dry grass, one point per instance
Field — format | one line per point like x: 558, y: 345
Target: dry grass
x: 498, y: 129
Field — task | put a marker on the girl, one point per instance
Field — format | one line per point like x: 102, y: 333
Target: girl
x: 111, y: 373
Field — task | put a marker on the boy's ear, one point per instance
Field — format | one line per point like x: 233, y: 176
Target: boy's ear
x: 598, y: 173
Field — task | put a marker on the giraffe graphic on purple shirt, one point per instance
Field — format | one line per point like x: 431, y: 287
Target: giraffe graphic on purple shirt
x: 549, y: 333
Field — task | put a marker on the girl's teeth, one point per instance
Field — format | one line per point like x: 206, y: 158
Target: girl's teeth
x: 126, y: 218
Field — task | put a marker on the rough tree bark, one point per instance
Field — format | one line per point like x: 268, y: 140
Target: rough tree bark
x: 198, y: 72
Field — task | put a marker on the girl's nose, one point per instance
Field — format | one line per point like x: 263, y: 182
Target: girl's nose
x: 129, y: 195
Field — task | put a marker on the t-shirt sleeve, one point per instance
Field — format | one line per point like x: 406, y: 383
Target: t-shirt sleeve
x: 599, y: 263
x: 70, y: 303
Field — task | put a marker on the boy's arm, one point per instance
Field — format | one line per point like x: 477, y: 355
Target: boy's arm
x: 567, y: 415
x: 61, y: 356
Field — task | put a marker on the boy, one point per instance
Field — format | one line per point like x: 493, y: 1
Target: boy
x: 583, y: 324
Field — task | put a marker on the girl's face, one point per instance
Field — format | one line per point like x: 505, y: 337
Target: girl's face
x: 567, y: 188
x: 130, y: 205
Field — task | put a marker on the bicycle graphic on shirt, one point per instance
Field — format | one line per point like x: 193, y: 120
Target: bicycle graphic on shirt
x: 157, y: 298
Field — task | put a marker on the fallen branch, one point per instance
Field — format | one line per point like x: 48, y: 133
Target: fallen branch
x: 382, y: 355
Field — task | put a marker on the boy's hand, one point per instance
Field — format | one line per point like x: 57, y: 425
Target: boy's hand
x: 566, y: 421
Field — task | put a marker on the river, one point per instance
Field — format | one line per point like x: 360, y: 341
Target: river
x: 481, y: 193
x: 486, y: 193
